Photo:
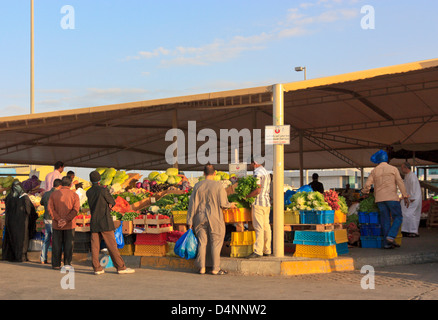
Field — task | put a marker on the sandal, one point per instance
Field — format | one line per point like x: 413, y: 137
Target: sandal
x: 413, y: 235
x: 219, y: 273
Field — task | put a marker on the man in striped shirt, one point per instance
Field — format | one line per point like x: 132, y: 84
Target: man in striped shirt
x: 261, y: 210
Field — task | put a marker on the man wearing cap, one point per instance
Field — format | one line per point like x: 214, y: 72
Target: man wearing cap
x: 102, y: 226
x: 386, y: 179
x: 261, y: 210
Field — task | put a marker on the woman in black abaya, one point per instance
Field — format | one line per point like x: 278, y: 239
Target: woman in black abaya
x: 20, y: 217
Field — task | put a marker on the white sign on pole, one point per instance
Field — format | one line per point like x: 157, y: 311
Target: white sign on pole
x: 275, y: 135
x: 239, y: 169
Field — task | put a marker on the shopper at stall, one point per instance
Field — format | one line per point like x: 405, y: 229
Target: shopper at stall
x: 316, y: 185
x: 63, y: 208
x: 261, y: 210
x: 348, y: 194
x: 411, y: 213
x: 102, y: 226
x: 386, y: 179
x: 20, y: 217
x: 206, y: 218
x: 48, y: 220
x: 75, y: 183
x: 52, y: 176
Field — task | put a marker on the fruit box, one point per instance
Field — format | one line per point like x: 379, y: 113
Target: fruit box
x: 140, y: 205
x: 158, y: 229
x: 157, y: 220
x: 128, y: 226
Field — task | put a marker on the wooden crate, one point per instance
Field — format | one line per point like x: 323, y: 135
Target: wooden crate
x: 432, y: 217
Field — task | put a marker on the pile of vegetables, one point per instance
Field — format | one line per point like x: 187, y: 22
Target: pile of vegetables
x: 31, y: 185
x: 244, y: 187
x: 6, y: 182
x: 343, y: 205
x: 308, y: 201
x: 132, y: 197
x: 368, y: 204
x: 130, y: 216
x: 332, y: 198
x: 110, y: 176
x: 220, y: 175
x: 171, y: 177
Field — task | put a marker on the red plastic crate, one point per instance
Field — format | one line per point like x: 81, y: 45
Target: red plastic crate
x: 151, y: 238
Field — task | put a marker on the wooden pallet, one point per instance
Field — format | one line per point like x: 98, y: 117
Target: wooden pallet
x: 314, y: 227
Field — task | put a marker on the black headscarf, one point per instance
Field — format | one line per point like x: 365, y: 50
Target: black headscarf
x: 17, y: 189
x: 19, y: 223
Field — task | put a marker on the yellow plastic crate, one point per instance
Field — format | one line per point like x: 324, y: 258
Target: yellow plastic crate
x: 243, y: 238
x: 150, y: 250
x: 291, y: 217
x: 127, y: 250
x: 340, y: 217
x: 241, y: 251
x: 237, y: 215
x: 171, y: 250
x: 179, y: 217
x: 341, y: 236
x: 319, y: 252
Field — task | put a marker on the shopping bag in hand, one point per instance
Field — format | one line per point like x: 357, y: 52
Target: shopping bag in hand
x: 187, y: 246
x: 119, y: 237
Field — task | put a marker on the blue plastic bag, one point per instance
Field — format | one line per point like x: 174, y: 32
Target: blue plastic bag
x: 187, y: 246
x: 379, y: 157
x: 119, y: 237
x: 305, y: 188
x: 287, y: 196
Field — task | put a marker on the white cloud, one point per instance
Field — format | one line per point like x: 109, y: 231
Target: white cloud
x: 297, y: 22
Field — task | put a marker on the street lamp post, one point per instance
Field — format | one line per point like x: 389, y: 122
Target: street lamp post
x: 300, y: 69
x: 32, y: 66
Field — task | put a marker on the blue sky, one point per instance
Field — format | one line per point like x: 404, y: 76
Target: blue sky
x: 124, y: 51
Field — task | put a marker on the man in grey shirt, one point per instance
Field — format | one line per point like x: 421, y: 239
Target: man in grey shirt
x: 206, y: 218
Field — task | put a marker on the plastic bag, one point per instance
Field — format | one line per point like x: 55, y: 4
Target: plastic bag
x: 305, y: 188
x: 119, y: 237
x: 187, y: 246
x: 379, y: 157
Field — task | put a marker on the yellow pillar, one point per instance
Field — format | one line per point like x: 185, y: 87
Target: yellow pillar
x: 278, y: 192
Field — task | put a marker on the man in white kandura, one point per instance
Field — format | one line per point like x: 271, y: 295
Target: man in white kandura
x: 411, y: 215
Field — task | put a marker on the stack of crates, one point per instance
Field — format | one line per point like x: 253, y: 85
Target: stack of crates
x: 128, y: 248
x: 151, y: 245
x: 316, y: 244
x: 341, y: 239
x: 242, y: 244
x: 370, y: 230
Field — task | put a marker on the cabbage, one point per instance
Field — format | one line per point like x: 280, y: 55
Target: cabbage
x: 178, y: 179
x: 101, y: 170
x: 153, y: 175
x: 109, y: 173
x: 171, y: 180
x: 162, y: 178
x: 106, y: 181
x: 172, y: 172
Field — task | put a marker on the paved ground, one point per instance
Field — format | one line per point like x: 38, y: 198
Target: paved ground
x: 33, y: 281
x: 406, y: 281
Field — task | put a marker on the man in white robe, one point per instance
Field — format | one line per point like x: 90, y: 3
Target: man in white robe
x: 411, y: 215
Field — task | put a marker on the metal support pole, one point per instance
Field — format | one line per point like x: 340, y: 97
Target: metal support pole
x: 32, y: 66
x: 301, y: 159
x: 175, y: 139
x: 362, y: 178
x: 278, y: 193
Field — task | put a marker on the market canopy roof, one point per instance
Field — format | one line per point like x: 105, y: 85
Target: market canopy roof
x: 341, y: 121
